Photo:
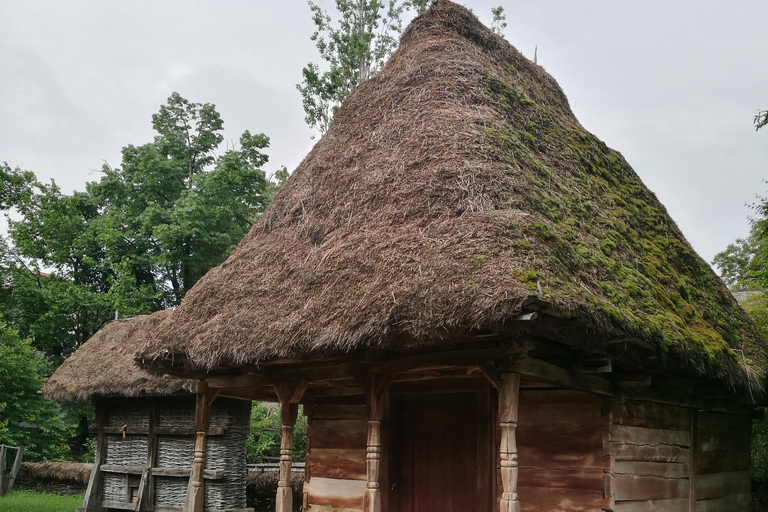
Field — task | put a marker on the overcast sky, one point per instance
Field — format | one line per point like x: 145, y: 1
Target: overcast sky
x: 673, y: 85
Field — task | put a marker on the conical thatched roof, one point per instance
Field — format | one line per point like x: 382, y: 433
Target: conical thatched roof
x: 104, y: 365
x: 449, y: 189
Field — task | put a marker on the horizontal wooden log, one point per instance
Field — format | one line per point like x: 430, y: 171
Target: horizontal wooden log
x: 554, y: 458
x: 335, y: 492
x: 339, y: 412
x: 650, y: 436
x: 634, y: 487
x: 324, y: 508
x: 717, y: 485
x: 340, y: 434
x: 125, y: 470
x: 548, y: 499
x: 563, y: 437
x: 337, y: 463
x: 650, y: 453
x: 673, y: 505
x: 724, y: 422
x: 118, y: 505
x: 559, y: 376
x: 585, y: 479
x: 722, y: 462
x: 652, y: 415
x: 208, y: 474
x: 644, y: 468
x: 162, y: 431
x: 722, y: 441
x: 559, y: 397
x: 734, y: 503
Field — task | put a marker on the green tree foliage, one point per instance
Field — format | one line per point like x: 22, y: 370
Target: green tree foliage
x: 265, y: 432
x: 355, y: 46
x: 14, y: 185
x: 26, y: 418
x: 136, y: 240
x: 499, y: 22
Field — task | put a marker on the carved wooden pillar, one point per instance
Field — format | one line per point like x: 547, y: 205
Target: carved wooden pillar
x: 196, y: 488
x: 508, y: 401
x: 289, y: 394
x: 377, y: 395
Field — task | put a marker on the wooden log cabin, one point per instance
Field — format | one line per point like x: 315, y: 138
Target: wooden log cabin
x: 480, y: 305
x: 146, y: 437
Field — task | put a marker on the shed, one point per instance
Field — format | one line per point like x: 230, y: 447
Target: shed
x: 480, y: 305
x: 145, y: 432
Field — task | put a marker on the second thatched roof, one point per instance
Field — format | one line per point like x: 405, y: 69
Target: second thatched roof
x: 451, y: 188
x: 104, y: 365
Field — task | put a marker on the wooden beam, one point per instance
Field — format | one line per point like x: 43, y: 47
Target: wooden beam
x: 3, y: 475
x: 376, y: 391
x: 93, y: 492
x: 14, y: 469
x: 560, y: 377
x: 289, y: 394
x: 508, y: 407
x: 196, y: 488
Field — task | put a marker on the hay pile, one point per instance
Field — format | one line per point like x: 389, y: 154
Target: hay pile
x: 104, y: 365
x: 449, y: 189
x: 62, y: 471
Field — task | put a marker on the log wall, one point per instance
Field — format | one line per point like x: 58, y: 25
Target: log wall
x: 562, y: 451
x: 335, y: 473
x: 651, y: 452
x: 722, y: 462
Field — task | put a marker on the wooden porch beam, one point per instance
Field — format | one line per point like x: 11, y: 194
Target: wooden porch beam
x: 508, y: 407
x: 196, y: 489
x: 560, y: 377
x: 289, y: 394
x: 376, y: 390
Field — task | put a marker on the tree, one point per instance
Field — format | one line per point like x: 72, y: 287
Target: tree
x: 499, y: 20
x: 26, y: 418
x: 174, y: 209
x: 14, y: 185
x: 354, y: 48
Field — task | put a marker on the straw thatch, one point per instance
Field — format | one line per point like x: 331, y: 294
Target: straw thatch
x: 450, y: 188
x: 64, y: 471
x: 104, y: 365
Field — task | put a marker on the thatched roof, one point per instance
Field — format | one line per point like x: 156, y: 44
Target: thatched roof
x: 104, y: 365
x: 450, y: 188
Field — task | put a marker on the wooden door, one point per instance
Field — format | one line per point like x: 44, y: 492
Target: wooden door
x: 438, y: 442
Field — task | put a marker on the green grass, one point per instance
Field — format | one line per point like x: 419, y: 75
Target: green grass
x: 31, y: 501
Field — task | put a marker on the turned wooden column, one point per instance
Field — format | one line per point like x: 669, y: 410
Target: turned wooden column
x: 196, y: 488
x: 289, y: 394
x: 377, y: 395
x: 508, y: 402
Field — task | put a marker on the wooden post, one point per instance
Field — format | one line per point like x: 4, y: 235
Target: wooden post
x: 14, y: 469
x: 508, y: 403
x: 3, y: 451
x: 196, y: 488
x: 93, y: 492
x: 376, y: 398
x: 146, y: 499
x: 289, y: 394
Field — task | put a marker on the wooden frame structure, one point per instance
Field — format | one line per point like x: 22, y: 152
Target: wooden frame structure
x: 122, y: 427
x: 622, y: 440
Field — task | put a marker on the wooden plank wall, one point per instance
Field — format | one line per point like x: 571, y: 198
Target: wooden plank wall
x: 335, y: 475
x: 562, y: 440
x: 651, y: 452
x: 722, y: 462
